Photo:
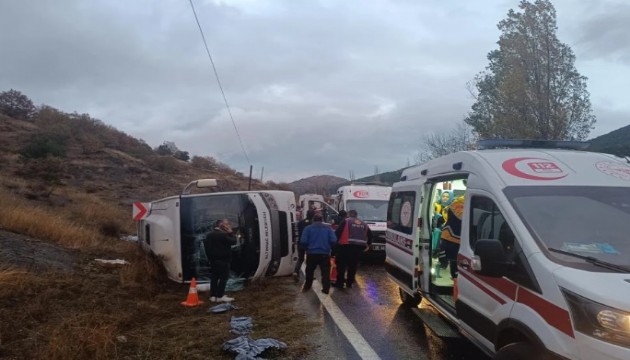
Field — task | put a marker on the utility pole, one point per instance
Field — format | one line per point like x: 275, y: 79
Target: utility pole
x: 249, y: 186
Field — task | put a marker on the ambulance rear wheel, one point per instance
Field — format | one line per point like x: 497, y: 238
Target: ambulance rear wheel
x: 517, y: 351
x: 407, y: 299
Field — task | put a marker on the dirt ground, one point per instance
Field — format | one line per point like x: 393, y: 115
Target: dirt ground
x: 58, y: 303
x: 25, y: 252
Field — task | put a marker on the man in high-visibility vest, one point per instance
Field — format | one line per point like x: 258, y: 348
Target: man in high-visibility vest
x: 354, y: 237
x: 451, y: 231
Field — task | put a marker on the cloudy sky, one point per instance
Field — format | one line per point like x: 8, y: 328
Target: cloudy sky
x: 315, y: 87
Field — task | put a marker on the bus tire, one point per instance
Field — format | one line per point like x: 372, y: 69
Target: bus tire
x: 518, y: 351
x: 409, y: 300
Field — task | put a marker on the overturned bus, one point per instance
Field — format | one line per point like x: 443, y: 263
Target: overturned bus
x: 263, y: 222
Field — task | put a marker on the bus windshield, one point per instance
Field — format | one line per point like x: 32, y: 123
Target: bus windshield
x: 586, y: 220
x: 199, y: 213
x: 369, y: 210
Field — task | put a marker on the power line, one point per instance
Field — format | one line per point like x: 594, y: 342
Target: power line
x: 216, y: 74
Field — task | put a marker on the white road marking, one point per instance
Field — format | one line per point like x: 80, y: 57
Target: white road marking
x: 353, y: 335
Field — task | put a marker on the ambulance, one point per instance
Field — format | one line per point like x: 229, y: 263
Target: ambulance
x: 370, y: 202
x: 543, y: 265
x: 263, y: 223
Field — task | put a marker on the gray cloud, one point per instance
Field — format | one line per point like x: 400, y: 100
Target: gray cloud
x: 604, y: 32
x: 318, y: 87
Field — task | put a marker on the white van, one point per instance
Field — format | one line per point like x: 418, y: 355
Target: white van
x: 544, y: 257
x: 370, y: 202
x: 263, y: 224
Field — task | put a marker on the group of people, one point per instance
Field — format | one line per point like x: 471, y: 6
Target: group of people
x: 318, y: 241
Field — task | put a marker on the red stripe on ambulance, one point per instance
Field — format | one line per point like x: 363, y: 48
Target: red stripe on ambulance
x: 554, y: 315
x: 472, y: 279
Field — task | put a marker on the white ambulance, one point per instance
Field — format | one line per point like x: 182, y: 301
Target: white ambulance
x: 174, y: 228
x: 544, y: 256
x: 370, y: 202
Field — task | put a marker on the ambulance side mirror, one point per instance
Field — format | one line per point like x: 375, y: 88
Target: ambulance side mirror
x: 490, y: 258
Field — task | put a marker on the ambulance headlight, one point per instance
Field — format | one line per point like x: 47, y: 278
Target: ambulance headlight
x: 597, y: 320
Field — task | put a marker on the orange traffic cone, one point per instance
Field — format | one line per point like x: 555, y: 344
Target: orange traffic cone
x: 333, y: 269
x: 193, y: 298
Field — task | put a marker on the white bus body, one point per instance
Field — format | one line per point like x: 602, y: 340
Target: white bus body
x: 263, y: 224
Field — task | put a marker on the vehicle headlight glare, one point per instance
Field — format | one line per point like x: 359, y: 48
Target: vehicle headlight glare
x: 598, y: 320
x: 614, y: 320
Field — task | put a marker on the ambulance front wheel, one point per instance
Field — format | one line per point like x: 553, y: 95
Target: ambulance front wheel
x: 409, y: 300
x: 517, y: 351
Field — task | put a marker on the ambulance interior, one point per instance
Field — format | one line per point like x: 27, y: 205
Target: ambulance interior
x: 486, y: 222
x: 441, y: 280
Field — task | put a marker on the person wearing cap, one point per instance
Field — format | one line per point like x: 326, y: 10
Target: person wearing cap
x: 318, y: 239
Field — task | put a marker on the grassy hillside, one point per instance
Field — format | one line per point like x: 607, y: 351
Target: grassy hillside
x: 67, y: 182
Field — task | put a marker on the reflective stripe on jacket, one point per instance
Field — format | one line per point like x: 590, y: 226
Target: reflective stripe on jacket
x: 355, y: 232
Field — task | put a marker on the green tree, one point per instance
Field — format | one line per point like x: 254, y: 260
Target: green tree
x: 16, y: 105
x: 531, y: 88
x: 44, y: 145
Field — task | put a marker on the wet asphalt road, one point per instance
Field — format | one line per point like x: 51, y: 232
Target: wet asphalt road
x: 374, y: 309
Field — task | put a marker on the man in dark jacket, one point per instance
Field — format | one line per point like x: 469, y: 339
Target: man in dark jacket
x: 354, y: 236
x: 218, y: 244
x: 341, y: 216
x: 301, y: 251
x: 318, y: 240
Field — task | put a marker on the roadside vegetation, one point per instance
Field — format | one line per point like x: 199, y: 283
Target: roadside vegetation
x: 129, y: 311
x: 67, y: 182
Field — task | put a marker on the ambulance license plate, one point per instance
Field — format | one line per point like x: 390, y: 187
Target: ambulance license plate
x: 378, y: 247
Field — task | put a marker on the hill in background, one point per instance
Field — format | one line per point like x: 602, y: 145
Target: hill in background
x: 320, y: 184
x: 49, y: 153
x: 616, y: 142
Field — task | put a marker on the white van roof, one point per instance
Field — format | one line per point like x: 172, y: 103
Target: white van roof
x: 532, y: 167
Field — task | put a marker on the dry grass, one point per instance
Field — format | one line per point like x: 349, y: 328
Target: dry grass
x: 85, y: 222
x: 127, y: 312
x: 130, y: 311
x: 94, y: 316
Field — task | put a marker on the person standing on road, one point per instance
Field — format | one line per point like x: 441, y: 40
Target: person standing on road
x: 318, y: 239
x: 339, y: 218
x: 301, y: 250
x: 218, y: 244
x: 354, y: 236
